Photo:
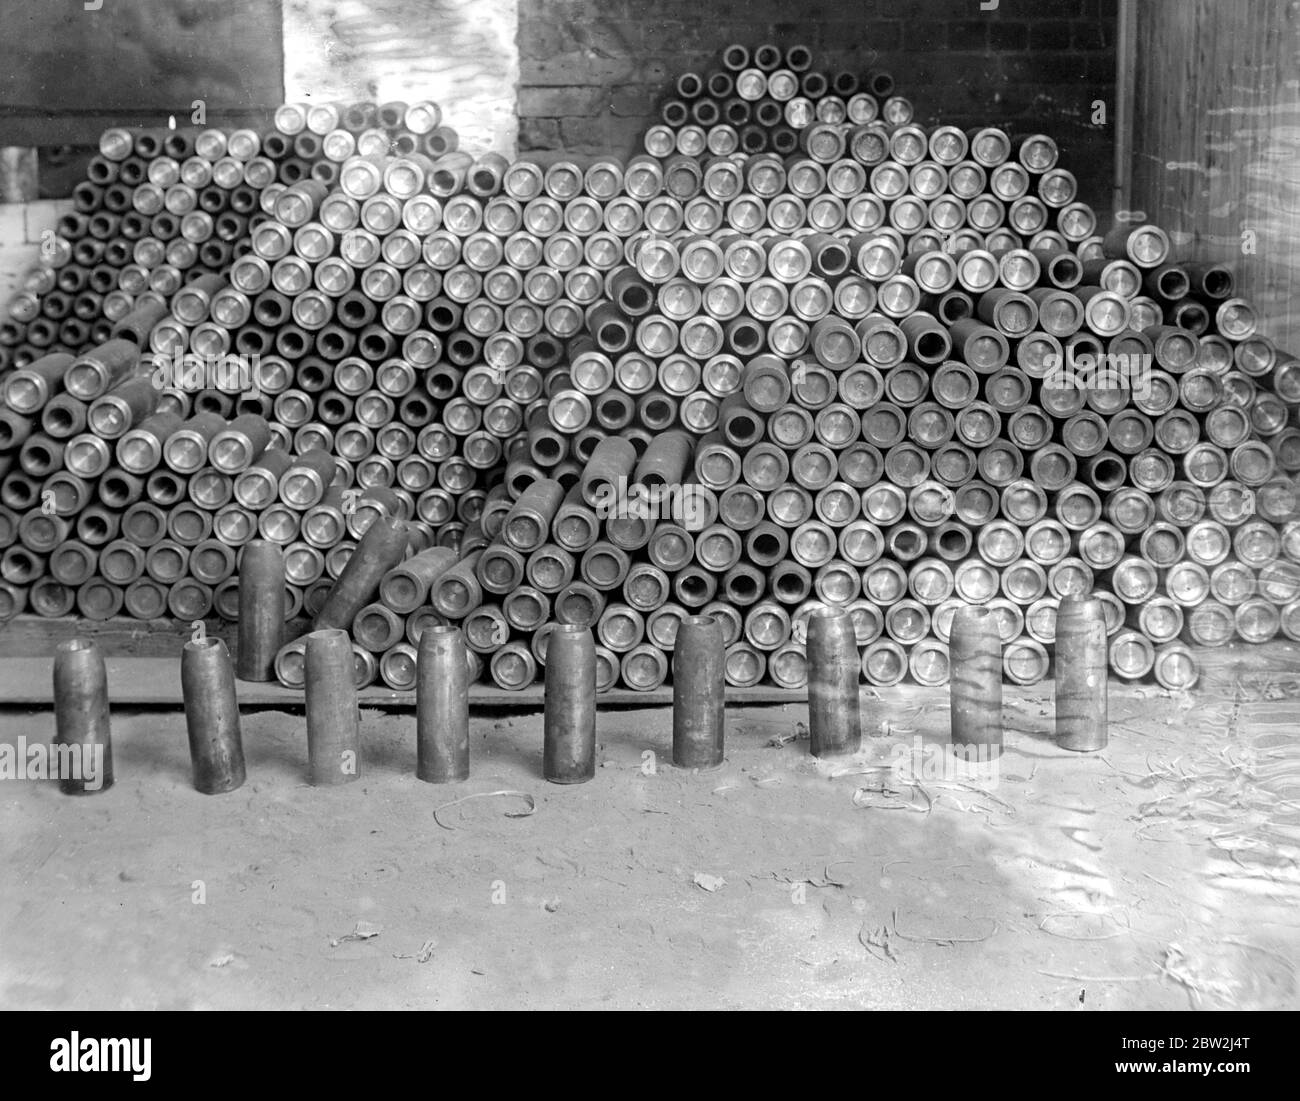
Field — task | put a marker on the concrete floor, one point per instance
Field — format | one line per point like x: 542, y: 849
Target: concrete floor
x: 1160, y: 874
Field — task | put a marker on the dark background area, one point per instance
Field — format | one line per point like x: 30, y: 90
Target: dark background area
x: 593, y: 72
x: 67, y: 74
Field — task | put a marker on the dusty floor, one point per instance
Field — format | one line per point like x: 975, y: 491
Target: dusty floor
x: 1160, y: 874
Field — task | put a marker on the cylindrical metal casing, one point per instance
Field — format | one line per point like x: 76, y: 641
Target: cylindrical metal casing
x: 261, y: 610
x: 1081, y: 671
x: 406, y: 586
x: 699, y: 682
x: 1175, y: 667
x: 569, y: 720
x: 528, y: 523
x: 611, y: 462
x: 81, y: 718
x: 442, y: 706
x: 975, y: 656
x: 381, y: 548
x: 212, y: 716
x: 333, y: 736
x: 835, y: 722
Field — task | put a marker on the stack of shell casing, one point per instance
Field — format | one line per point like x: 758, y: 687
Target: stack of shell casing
x: 766, y: 101
x: 850, y: 445
x: 391, y: 332
x: 160, y: 208
x: 124, y: 497
x: 748, y: 384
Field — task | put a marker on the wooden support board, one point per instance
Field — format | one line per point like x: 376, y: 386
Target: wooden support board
x: 156, y: 682
x: 143, y: 658
x: 36, y: 637
x: 143, y: 661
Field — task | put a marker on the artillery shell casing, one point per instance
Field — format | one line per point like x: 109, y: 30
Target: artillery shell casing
x: 528, y: 524
x: 27, y: 390
x: 611, y: 462
x: 457, y: 591
x: 81, y: 718
x: 261, y: 609
x: 333, y: 737
x: 975, y: 661
x: 381, y: 548
x: 665, y: 460
x: 1081, y: 671
x: 377, y: 628
x: 834, y: 717
x: 569, y: 723
x: 406, y: 586
x: 699, y: 693
x: 99, y: 370
x: 212, y: 716
x: 442, y: 707
x: 291, y: 664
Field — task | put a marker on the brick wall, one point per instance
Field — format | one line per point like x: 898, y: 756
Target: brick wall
x: 592, y: 72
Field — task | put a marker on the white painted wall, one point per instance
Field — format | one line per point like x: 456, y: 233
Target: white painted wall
x: 21, y: 226
x: 460, y: 53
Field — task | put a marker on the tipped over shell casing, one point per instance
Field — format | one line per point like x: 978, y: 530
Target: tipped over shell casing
x: 381, y: 548
x: 406, y: 586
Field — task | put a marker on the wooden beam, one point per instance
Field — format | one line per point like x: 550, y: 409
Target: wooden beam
x: 18, y: 176
x: 1216, y: 154
x: 1125, y: 85
x: 156, y: 682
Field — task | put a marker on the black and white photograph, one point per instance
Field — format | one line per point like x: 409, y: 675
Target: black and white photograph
x: 650, y: 505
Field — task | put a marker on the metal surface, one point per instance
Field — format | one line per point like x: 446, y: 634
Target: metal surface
x: 834, y: 718
x: 569, y: 719
x: 333, y: 738
x: 1081, y: 675
x: 212, y: 716
x: 975, y: 656
x: 442, y: 706
x: 82, y: 732
x: 699, y: 700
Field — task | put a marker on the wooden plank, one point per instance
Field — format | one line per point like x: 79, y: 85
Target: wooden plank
x: 1125, y: 81
x: 34, y: 636
x: 83, y: 128
x: 460, y: 53
x: 31, y: 639
x: 18, y: 176
x: 1217, y: 143
x: 156, y: 681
